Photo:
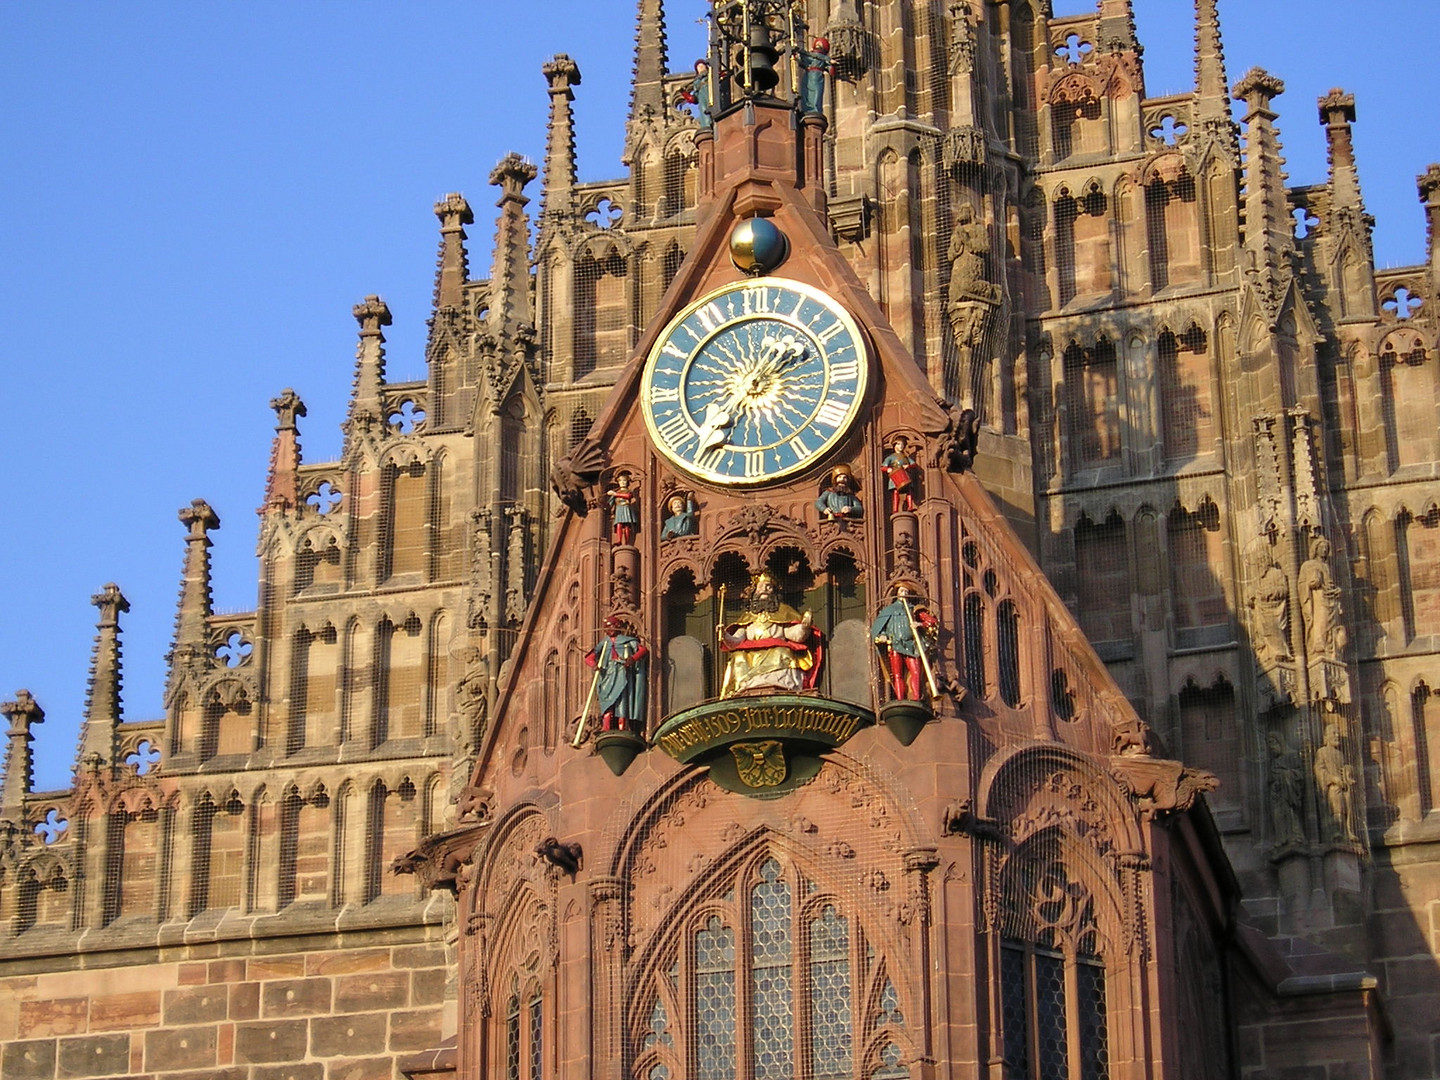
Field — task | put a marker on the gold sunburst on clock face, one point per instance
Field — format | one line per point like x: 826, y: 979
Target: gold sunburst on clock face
x: 754, y: 382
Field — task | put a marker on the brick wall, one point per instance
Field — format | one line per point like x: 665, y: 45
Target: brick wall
x: 346, y: 1008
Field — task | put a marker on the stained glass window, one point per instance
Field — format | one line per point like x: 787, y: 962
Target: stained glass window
x: 512, y: 1038
x: 830, y: 1034
x: 889, y: 1007
x: 659, y: 1033
x: 770, y: 974
x: 1052, y: 1011
x: 772, y: 1035
x: 537, y: 1061
x: 1052, y: 979
x: 714, y: 1025
x: 890, y: 1066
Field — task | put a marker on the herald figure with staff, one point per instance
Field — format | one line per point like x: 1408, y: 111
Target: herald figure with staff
x: 905, y: 632
x: 620, y: 660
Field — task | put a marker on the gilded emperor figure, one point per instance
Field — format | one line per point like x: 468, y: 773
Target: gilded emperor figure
x: 772, y: 647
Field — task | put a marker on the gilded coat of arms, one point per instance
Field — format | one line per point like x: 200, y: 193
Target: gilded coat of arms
x: 760, y: 764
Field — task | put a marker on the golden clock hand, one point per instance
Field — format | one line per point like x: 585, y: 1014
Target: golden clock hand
x: 775, y: 354
x: 719, y: 417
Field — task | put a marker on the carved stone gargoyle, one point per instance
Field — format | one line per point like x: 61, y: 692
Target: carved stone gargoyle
x: 1161, y: 786
x: 565, y: 856
x: 957, y: 445
x: 575, y: 472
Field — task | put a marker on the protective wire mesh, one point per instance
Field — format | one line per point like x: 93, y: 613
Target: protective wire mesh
x: 1053, y: 1051
x: 536, y: 1056
x: 715, y: 1001
x: 512, y: 1038
x: 773, y: 1035
x: 831, y: 1039
x: 1094, y: 1032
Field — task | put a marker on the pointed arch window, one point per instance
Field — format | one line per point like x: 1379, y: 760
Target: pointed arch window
x: 524, y: 1027
x: 1052, y: 976
x: 767, y: 984
x: 513, y: 1060
x: 1102, y: 567
x: 1187, y: 410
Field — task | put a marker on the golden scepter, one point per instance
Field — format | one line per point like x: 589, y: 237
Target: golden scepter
x: 590, y: 697
x: 723, y: 671
x: 920, y: 647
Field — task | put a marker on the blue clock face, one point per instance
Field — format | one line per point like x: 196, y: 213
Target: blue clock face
x: 754, y: 382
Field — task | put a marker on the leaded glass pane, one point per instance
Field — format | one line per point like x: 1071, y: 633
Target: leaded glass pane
x: 773, y: 1037
x: 1094, y: 1038
x: 889, y: 1012
x: 512, y: 1039
x: 659, y: 1072
x: 1050, y: 1017
x: 659, y: 1033
x: 536, y: 1060
x: 890, y: 1067
x: 1013, y: 1013
x: 830, y: 1037
x: 715, y: 1001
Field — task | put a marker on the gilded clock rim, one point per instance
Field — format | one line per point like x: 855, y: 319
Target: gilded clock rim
x: 813, y: 459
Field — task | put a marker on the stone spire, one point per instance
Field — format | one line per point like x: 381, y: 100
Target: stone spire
x: 510, y: 278
x: 1428, y: 184
x: 1269, y: 232
x: 1337, y: 113
x: 452, y: 268
x: 23, y: 713
x: 282, y: 488
x: 195, y: 606
x: 558, y: 198
x: 650, y: 60
x: 1212, y: 100
x: 371, y: 314
x: 1117, y: 26
x: 102, y: 702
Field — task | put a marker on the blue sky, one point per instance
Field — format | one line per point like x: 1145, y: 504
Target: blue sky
x: 194, y: 195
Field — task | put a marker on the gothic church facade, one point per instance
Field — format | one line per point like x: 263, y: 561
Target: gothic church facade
x: 1160, y: 800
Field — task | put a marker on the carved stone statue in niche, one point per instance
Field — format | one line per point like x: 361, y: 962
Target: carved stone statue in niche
x: 1325, y: 635
x: 619, y: 660
x: 772, y: 647
x: 902, y: 474
x: 1287, y: 793
x: 839, y: 500
x: 1269, y: 606
x: 1336, y: 781
x: 683, y: 518
x: 905, y: 632
x: 968, y: 252
x: 472, y: 701
x: 624, y: 503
